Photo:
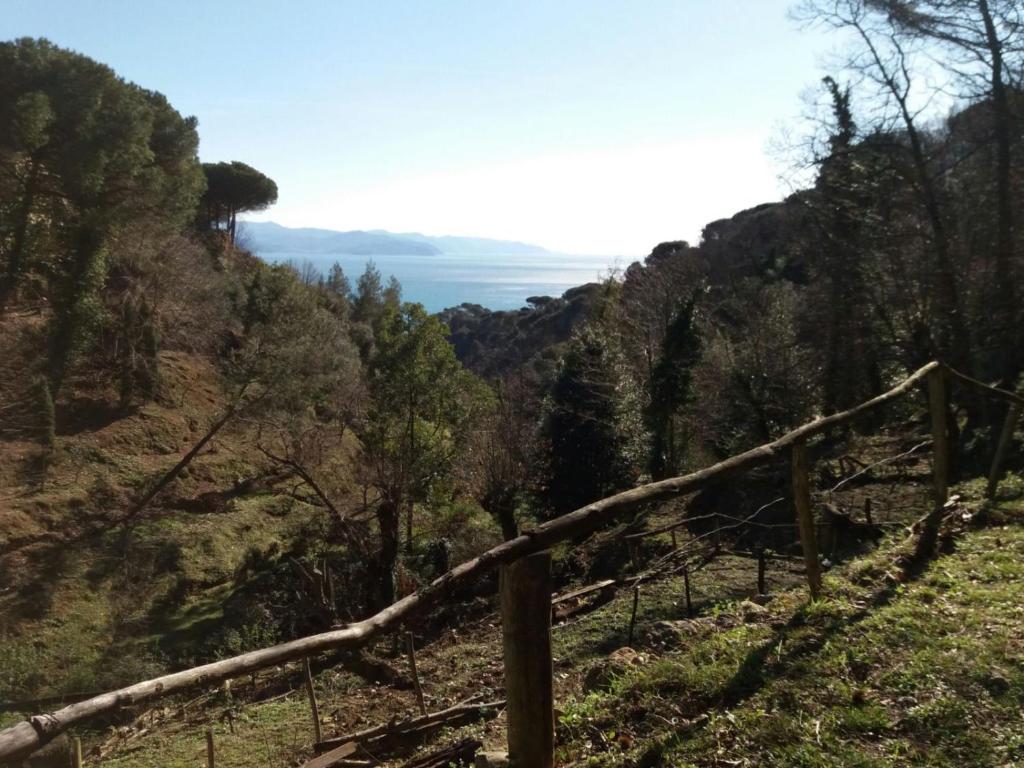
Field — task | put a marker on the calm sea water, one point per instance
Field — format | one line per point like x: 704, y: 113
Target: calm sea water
x: 496, y: 282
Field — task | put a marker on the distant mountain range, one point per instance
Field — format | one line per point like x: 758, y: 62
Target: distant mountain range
x: 264, y: 237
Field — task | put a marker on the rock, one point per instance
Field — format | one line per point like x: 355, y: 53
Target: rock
x: 762, y: 599
x: 752, y: 612
x: 669, y: 634
x: 493, y: 759
x: 601, y: 674
x: 996, y: 683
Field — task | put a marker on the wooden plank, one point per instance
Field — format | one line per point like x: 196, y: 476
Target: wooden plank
x: 805, y: 518
x: 525, y: 588
x: 330, y: 759
x: 584, y: 591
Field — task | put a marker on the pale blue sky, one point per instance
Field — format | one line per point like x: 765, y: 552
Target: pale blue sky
x: 589, y: 126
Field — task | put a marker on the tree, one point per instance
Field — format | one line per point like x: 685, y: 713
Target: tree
x: 291, y: 358
x: 368, y: 301
x: 592, y: 423
x: 885, y: 62
x: 422, y: 406
x: 670, y: 389
x: 984, y: 41
x: 499, y: 460
x: 89, y: 154
x: 234, y: 188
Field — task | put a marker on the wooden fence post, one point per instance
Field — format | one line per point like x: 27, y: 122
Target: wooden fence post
x: 940, y: 434
x: 805, y: 517
x: 209, y: 748
x: 686, y: 584
x: 314, y: 708
x: 410, y: 646
x: 632, y: 616
x: 929, y: 534
x: 525, y: 587
x: 1005, y: 438
x: 76, y: 753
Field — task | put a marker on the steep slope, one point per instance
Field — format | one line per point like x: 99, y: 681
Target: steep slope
x: 87, y: 603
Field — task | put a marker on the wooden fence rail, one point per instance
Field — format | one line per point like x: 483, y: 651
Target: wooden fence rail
x: 24, y: 737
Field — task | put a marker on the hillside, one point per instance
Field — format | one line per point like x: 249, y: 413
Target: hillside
x: 872, y: 675
x: 88, y: 603
x: 264, y: 237
x: 292, y: 516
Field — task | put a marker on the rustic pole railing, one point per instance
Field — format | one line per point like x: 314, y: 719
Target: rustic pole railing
x: 22, y: 738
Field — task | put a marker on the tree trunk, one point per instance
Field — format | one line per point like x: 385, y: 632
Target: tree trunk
x: 388, y: 521
x: 1004, y: 251
x: 66, y: 328
x: 176, y: 470
x: 16, y: 258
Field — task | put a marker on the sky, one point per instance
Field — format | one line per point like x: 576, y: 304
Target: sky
x: 585, y: 126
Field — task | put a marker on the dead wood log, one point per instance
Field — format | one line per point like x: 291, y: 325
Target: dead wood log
x: 416, y: 726
x: 168, y: 477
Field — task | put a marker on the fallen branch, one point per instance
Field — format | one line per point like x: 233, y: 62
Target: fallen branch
x: 462, y: 753
x: 415, y: 725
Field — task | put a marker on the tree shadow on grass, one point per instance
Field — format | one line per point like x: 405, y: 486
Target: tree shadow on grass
x: 790, y: 643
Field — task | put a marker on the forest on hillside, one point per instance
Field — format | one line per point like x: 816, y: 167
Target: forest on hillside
x: 153, y: 371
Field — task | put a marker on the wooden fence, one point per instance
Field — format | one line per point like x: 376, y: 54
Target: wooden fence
x: 23, y: 738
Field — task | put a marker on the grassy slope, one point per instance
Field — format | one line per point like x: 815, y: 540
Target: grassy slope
x: 85, y: 605
x: 887, y: 671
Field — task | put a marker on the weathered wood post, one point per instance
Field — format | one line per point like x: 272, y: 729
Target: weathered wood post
x: 686, y: 585
x: 632, y: 616
x: 1005, y: 438
x: 314, y: 708
x: 940, y: 465
x: 410, y: 646
x: 867, y: 511
x: 209, y: 748
x: 76, y: 753
x: 525, y: 587
x: 940, y: 435
x: 760, y: 571
x: 805, y: 517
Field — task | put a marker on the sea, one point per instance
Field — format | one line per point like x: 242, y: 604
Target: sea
x: 493, y: 281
